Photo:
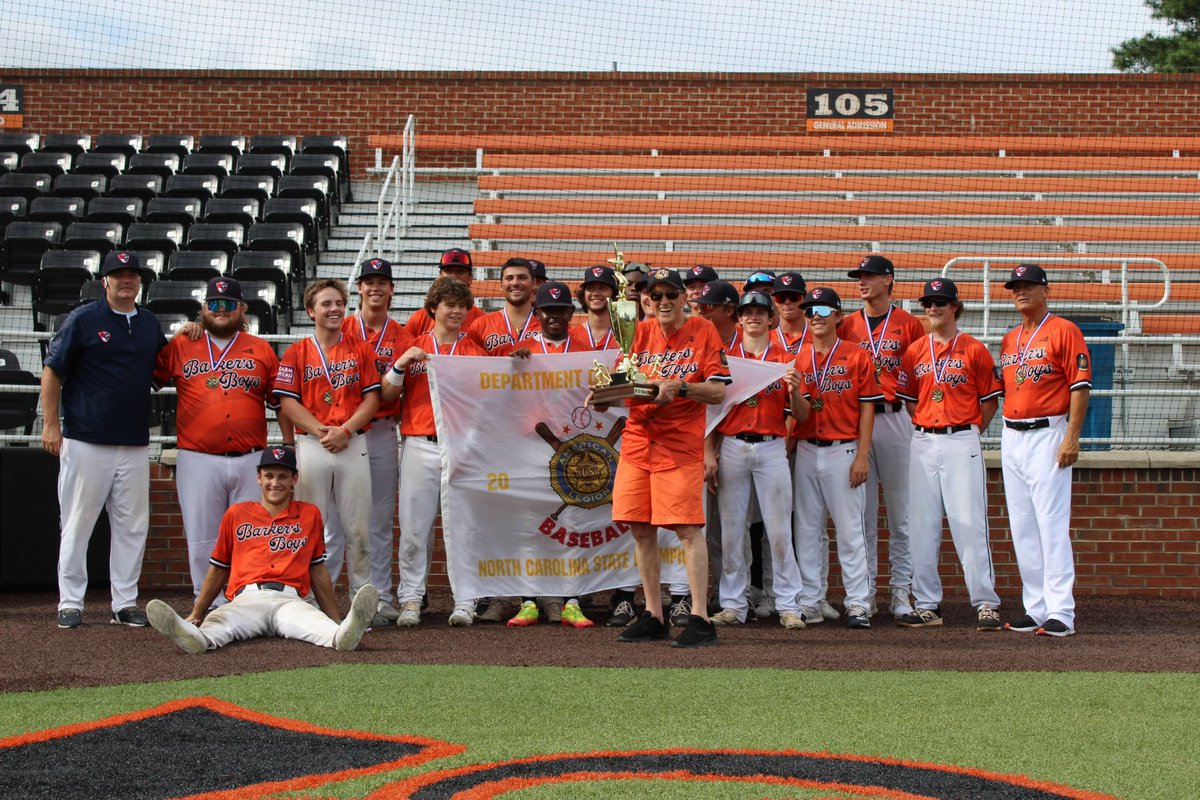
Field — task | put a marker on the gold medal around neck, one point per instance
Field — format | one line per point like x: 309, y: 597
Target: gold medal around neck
x: 818, y: 404
x: 212, y: 382
x: 938, y: 395
x: 1020, y: 373
x: 878, y: 367
x: 328, y: 398
x: 752, y: 401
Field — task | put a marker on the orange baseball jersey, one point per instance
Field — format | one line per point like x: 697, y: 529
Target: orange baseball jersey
x: 835, y: 383
x: 1043, y: 367
x: 606, y: 342
x: 492, y: 331
x: 667, y: 437
x: 421, y: 321
x: 257, y: 547
x: 575, y: 342
x: 765, y: 412
x: 221, y: 393
x: 792, y: 343
x: 387, y: 344
x: 885, y: 344
x: 949, y: 393
x: 416, y: 417
x: 331, y: 399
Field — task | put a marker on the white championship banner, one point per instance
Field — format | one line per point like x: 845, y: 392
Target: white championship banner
x: 527, y: 475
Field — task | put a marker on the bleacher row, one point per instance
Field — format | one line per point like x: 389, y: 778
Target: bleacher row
x: 257, y: 208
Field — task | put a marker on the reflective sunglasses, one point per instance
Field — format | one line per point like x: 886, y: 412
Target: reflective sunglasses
x: 221, y: 305
x: 671, y: 295
x: 940, y: 302
x: 819, y: 311
x: 760, y: 277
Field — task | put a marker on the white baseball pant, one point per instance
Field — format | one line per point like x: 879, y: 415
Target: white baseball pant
x: 822, y: 487
x: 758, y: 468
x: 207, y: 486
x: 339, y: 484
x: 383, y: 453
x: 1038, y: 494
x: 888, y: 464
x: 265, y: 612
x: 91, y: 477
x: 946, y: 473
x: 420, y: 498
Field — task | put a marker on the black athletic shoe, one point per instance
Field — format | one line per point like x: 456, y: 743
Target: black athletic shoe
x: 681, y: 612
x: 621, y: 614
x: 698, y: 633
x: 1054, y: 627
x: 131, y: 616
x: 921, y: 618
x: 858, y: 617
x: 70, y: 618
x: 1024, y: 625
x: 646, y: 629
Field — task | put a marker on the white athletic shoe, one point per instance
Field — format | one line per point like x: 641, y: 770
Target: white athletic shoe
x: 183, y: 633
x: 726, y: 616
x: 901, y: 604
x: 812, y: 615
x: 792, y: 621
x: 462, y: 615
x: 362, y: 608
x: 828, y: 611
x: 410, y: 614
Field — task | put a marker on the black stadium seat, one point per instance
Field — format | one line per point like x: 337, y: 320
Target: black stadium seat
x: 335, y: 145
x: 9, y: 161
x: 107, y: 164
x: 52, y: 164
x: 165, y: 237
x: 63, y: 210
x: 169, y: 324
x: 178, y: 143
x: 282, y: 145
x: 203, y: 186
x: 328, y: 165
x: 273, y: 164
x: 18, y: 409
x: 224, y: 236
x: 286, y: 236
x: 11, y: 210
x: 102, y: 236
x: 230, y: 144
x: 164, y: 165
x: 74, y: 143
x: 25, y: 184
x: 94, y: 290
x: 19, y: 142
x: 24, y: 245
x: 144, y: 187
x: 153, y: 263
x: 304, y: 210
x: 314, y: 187
x: 125, y: 210
x: 183, y: 210
x: 196, y: 265
x: 56, y: 288
x: 177, y: 297
x: 89, y: 187
x: 272, y: 266
x: 263, y: 302
x: 128, y: 144
x: 242, y: 210
x: 219, y: 164
x: 258, y: 187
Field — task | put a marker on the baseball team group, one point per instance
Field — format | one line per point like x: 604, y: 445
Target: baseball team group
x: 871, y: 400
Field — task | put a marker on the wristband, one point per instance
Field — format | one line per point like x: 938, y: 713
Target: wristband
x: 349, y: 435
x: 394, y: 376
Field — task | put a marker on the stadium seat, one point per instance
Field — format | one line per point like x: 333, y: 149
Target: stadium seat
x: 58, y: 283
x: 203, y: 186
x: 63, y: 210
x: 86, y: 260
x: 11, y: 210
x: 228, y: 144
x: 219, y: 164
x: 257, y: 187
x: 52, y: 164
x: 272, y: 266
x: 313, y: 187
x: 74, y: 143
x: 176, y: 297
x: 177, y: 143
x: 164, y: 165
x: 153, y: 262
x: 127, y: 144
x: 281, y: 145
x: 144, y: 187
x: 224, y: 236
x: 182, y: 210
x: 272, y: 164
x: 89, y: 187
x: 196, y: 265
x: 107, y: 164
x: 25, y: 184
x: 286, y: 236
x: 242, y: 210
x: 18, y: 409
x: 262, y: 301
x: 24, y: 245
x: 169, y: 323
x: 19, y: 142
x: 333, y: 145
x: 327, y: 165
x: 304, y: 210
x: 102, y: 236
x: 9, y: 161
x: 92, y: 290
x: 125, y: 210
x: 165, y: 237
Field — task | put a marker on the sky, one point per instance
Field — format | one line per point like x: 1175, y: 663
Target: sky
x: 589, y: 35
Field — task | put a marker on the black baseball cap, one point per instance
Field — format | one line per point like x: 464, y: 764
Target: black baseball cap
x: 760, y: 277
x: 663, y: 275
x: 455, y: 257
x: 279, y: 456
x: 375, y: 266
x: 118, y: 260
x: 873, y: 265
x: 537, y: 268
x: 700, y: 272
x: 790, y: 282
x: 756, y: 300
x: 1025, y: 273
x: 222, y: 288
x: 718, y: 293
x: 600, y: 274
x: 941, y: 289
x: 822, y: 296
x: 638, y: 269
x: 553, y: 294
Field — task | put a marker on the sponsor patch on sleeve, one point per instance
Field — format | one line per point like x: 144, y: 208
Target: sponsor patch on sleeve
x: 286, y: 374
x: 724, y: 359
x: 1081, y: 361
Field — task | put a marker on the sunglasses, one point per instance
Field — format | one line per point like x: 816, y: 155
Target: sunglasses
x: 760, y: 277
x: 939, y: 302
x: 221, y: 305
x: 671, y: 295
x: 819, y: 311
x: 786, y: 297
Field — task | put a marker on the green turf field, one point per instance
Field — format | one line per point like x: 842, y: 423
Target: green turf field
x: 1130, y: 735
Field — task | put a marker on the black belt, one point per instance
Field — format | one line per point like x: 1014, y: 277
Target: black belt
x: 829, y: 442
x: 893, y: 406
x: 269, y: 585
x: 947, y: 429
x: 754, y: 438
x: 1026, y: 424
x: 229, y: 453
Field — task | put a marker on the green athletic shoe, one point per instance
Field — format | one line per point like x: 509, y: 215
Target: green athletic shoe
x: 527, y: 615
x: 572, y: 615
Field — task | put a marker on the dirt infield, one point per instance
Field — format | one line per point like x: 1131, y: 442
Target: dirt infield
x: 1114, y: 635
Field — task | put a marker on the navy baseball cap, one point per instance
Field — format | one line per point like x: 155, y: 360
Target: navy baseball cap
x: 553, y: 294
x: 790, y: 282
x: 663, y: 275
x: 537, y: 268
x: 760, y: 277
x: 756, y: 300
x: 940, y: 289
x: 1022, y: 273
x: 118, y: 260
x: 222, y: 288
x: 873, y: 265
x: 822, y: 296
x: 717, y: 293
x: 375, y: 266
x: 279, y: 456
x: 701, y: 273
x: 455, y: 257
x: 600, y: 274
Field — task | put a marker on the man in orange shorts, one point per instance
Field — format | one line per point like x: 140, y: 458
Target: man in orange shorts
x: 660, y: 477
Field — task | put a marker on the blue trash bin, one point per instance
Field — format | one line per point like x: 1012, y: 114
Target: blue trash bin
x: 1098, y: 422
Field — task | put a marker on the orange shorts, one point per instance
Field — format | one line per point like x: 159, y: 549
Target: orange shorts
x: 667, y: 499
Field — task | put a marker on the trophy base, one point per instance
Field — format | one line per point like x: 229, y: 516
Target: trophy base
x: 615, y: 393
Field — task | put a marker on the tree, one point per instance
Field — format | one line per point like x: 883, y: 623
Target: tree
x: 1178, y: 52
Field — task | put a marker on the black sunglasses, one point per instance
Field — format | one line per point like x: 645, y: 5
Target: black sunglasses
x: 671, y: 295
x: 939, y: 302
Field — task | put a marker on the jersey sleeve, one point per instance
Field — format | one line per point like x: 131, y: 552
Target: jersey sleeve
x: 164, y: 365
x: 984, y: 374
x: 271, y: 362
x: 222, y: 554
x: 715, y: 364
x: 319, y: 555
x: 64, y: 346
x: 1076, y: 360
x: 906, y: 377
x: 868, y: 385
x: 288, y: 375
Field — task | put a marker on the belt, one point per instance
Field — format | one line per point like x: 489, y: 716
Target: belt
x: 431, y: 439
x: 947, y: 429
x: 754, y: 438
x: 829, y: 442
x: 228, y: 453
x: 1026, y: 424
x: 270, y: 586
x: 881, y: 408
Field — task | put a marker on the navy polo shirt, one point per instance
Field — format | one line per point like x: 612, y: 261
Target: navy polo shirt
x: 106, y: 361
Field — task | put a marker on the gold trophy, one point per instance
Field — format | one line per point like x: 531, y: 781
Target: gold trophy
x: 609, y: 387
